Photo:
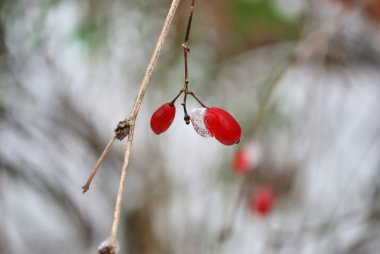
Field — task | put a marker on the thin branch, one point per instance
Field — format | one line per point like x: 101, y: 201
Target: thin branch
x: 186, y: 50
x: 185, y: 45
x: 197, y: 99
x: 175, y: 98
x: 154, y: 58
x: 189, y: 21
x: 128, y: 125
x: 97, y: 165
x: 119, y: 196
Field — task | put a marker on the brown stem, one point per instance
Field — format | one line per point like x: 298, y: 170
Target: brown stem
x: 116, y: 216
x: 189, y: 21
x: 197, y: 99
x: 97, y: 165
x: 186, y: 51
x: 175, y: 98
x: 136, y: 108
x: 130, y: 123
x: 186, y: 117
x: 154, y: 58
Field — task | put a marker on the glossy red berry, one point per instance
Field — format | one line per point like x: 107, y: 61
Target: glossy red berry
x: 262, y: 200
x: 162, y: 118
x: 242, y: 162
x: 221, y: 125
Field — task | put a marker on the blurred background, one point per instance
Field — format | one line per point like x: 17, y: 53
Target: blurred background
x: 301, y: 76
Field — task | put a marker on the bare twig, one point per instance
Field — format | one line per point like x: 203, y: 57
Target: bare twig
x: 119, y: 196
x: 186, y: 50
x: 127, y: 127
x: 154, y: 58
x: 97, y: 165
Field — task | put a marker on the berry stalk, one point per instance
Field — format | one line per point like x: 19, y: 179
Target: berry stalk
x: 186, y: 51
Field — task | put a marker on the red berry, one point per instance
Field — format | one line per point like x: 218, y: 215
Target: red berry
x: 162, y: 118
x: 262, y: 200
x: 221, y: 125
x: 242, y: 162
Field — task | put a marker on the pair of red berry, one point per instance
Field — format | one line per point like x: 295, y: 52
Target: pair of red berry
x: 262, y: 198
x: 208, y: 122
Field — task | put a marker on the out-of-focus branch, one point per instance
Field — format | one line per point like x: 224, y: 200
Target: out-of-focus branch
x: 303, y: 50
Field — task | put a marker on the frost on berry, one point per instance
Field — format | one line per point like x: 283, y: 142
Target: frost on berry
x: 162, y: 118
x: 197, y: 120
x: 215, y: 122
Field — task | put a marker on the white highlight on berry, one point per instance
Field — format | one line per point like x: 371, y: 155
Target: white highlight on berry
x: 197, y: 120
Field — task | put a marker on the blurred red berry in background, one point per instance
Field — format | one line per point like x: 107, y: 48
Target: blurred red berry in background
x: 243, y: 161
x: 262, y: 200
x: 247, y: 157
